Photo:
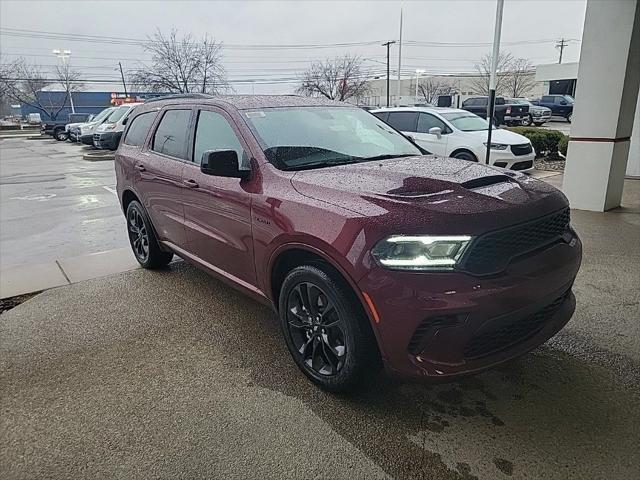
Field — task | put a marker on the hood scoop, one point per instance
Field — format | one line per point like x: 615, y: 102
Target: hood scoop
x: 485, y: 181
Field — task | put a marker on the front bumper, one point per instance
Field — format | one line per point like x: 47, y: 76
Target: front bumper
x: 541, y: 118
x: 86, y: 139
x: 442, y: 325
x: 106, y: 140
x: 506, y: 159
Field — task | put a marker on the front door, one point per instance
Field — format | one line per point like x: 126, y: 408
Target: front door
x: 218, y: 209
x: 433, y: 143
x: 159, y: 174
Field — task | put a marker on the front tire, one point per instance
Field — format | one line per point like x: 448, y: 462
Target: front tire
x: 326, y: 330
x: 143, y: 239
x: 465, y: 156
x: 569, y: 117
x: 60, y: 135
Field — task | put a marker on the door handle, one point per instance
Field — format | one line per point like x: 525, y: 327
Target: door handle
x: 190, y: 183
x: 140, y: 167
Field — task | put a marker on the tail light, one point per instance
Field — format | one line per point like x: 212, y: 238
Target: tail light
x: 508, y: 110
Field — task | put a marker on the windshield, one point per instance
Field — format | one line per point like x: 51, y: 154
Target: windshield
x: 117, y: 114
x: 296, y: 138
x: 467, y: 122
x: 101, y: 116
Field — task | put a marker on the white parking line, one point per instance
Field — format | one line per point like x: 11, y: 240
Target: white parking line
x: 110, y: 189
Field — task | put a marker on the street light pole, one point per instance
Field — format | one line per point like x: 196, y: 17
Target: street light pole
x: 419, y: 72
x: 388, y: 45
x: 64, y: 56
x: 492, y: 78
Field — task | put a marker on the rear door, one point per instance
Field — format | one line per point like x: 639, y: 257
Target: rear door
x: 218, y: 209
x: 432, y: 143
x: 159, y: 173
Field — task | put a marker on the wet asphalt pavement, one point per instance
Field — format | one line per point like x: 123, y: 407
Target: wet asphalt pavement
x: 173, y: 374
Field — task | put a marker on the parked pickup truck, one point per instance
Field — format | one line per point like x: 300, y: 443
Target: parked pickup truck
x: 56, y: 128
x: 560, y: 105
x: 505, y: 113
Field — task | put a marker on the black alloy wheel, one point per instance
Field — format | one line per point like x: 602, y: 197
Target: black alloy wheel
x: 143, y: 240
x: 61, y: 135
x: 316, y: 329
x: 527, y: 121
x: 326, y: 329
x: 138, y: 235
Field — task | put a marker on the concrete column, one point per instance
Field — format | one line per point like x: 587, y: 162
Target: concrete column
x: 606, y: 97
x: 633, y: 165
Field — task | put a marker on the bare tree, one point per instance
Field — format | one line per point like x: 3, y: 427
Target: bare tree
x: 25, y: 84
x: 431, y: 88
x: 520, y: 78
x: 338, y: 79
x: 181, y: 65
x: 480, y: 83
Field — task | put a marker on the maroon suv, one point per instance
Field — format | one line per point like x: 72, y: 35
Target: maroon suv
x: 372, y: 252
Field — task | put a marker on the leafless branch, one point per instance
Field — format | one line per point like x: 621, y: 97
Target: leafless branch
x: 338, y: 79
x: 432, y: 87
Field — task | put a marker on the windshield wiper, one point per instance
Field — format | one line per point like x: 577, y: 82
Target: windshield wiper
x: 386, y: 156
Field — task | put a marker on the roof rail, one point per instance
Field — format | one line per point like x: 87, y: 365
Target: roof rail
x: 178, y: 95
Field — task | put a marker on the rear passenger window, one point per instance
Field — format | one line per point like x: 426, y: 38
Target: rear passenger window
x: 138, y: 129
x: 172, y: 134
x: 403, y: 121
x: 547, y: 99
x: 214, y: 133
x: 382, y: 115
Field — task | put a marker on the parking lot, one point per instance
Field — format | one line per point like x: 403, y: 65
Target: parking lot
x: 173, y: 374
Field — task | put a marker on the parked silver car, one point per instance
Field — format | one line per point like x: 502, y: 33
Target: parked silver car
x: 537, y: 114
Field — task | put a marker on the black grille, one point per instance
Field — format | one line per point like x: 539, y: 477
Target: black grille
x: 522, y: 165
x: 507, y: 334
x: 524, y: 149
x: 492, y: 252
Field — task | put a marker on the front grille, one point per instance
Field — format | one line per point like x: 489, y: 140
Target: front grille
x: 524, y: 149
x: 492, y: 252
x: 522, y: 165
x: 506, y: 334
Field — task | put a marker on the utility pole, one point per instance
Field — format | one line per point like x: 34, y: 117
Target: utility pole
x: 492, y: 80
x: 388, y: 45
x: 399, y: 58
x: 124, y: 85
x: 560, y: 45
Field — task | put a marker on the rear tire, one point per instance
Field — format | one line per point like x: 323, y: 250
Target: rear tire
x: 143, y: 240
x: 326, y: 330
x: 528, y: 121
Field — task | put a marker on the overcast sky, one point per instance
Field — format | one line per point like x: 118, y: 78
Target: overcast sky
x: 453, y: 33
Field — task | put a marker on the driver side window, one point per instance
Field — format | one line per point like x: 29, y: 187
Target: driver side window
x: 213, y: 132
x: 427, y: 121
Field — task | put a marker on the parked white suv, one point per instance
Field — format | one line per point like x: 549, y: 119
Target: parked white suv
x: 451, y: 132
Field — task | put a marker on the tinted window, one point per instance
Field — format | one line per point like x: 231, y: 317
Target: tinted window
x: 403, y: 121
x: 547, y: 99
x: 214, y: 133
x: 118, y: 113
x: 382, y: 115
x: 138, y: 129
x: 499, y: 101
x: 561, y: 101
x: 427, y: 121
x: 172, y: 133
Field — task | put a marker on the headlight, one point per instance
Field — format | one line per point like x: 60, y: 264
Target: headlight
x: 420, y: 252
x: 497, y: 146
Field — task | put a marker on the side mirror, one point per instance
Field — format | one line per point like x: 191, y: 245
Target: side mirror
x: 409, y: 137
x: 563, y: 102
x: 124, y: 120
x: 437, y: 131
x: 222, y: 163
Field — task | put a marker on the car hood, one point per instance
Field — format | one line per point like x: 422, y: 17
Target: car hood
x: 444, y: 195
x: 500, y: 135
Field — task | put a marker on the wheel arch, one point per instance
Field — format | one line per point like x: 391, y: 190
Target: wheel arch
x: 463, y: 150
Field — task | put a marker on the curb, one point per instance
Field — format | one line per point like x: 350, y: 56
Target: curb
x: 99, y: 156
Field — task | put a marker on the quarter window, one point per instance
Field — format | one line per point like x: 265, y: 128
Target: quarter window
x: 403, y: 121
x: 172, y: 134
x: 214, y: 133
x: 138, y: 129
